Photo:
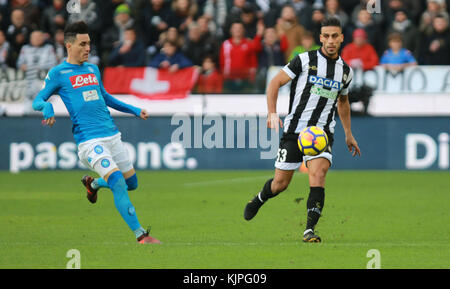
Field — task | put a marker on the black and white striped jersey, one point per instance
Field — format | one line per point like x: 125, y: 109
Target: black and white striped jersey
x: 317, y: 82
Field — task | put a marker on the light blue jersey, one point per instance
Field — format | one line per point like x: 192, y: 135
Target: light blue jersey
x: 80, y: 88
x: 401, y: 57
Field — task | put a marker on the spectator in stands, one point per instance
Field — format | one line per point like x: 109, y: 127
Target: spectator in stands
x: 58, y: 44
x: 17, y: 34
x: 403, y: 25
x: 308, y: 44
x: 271, y: 54
x: 130, y: 52
x: 437, y: 45
x: 193, y: 47
x: 397, y: 58
x: 360, y: 54
x: 116, y: 34
x: 108, y: 9
x: 35, y: 60
x: 210, y: 79
x: 169, y: 58
x: 288, y: 25
x: 4, y: 50
x: 434, y: 8
x: 376, y: 17
x: 172, y: 34
x: 216, y: 12
x: 238, y: 58
x: 332, y: 9
x: 273, y: 47
x: 373, y: 31
x: 391, y: 8
x: 249, y: 19
x: 208, y: 37
x: 317, y: 17
x: 155, y: 20
x: 233, y: 15
x: 196, y: 46
x: 183, y: 12
x: 54, y: 18
x: 31, y: 12
x: 303, y: 10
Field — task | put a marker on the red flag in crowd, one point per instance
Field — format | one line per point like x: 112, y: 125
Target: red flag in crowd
x: 151, y: 83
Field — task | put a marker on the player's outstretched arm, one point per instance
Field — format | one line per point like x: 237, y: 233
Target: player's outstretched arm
x: 40, y: 102
x: 343, y: 107
x: 119, y: 105
x: 114, y: 102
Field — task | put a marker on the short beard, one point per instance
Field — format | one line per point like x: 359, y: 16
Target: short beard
x: 330, y: 54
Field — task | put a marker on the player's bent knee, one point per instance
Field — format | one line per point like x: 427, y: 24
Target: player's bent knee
x: 317, y: 177
x: 318, y: 174
x: 132, y: 182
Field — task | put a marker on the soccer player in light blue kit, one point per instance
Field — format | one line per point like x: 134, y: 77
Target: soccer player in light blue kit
x: 99, y: 141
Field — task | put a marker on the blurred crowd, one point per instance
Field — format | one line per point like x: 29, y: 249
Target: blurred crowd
x: 234, y: 42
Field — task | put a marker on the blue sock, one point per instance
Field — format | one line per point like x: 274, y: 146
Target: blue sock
x: 99, y: 183
x: 132, y: 182
x: 123, y: 204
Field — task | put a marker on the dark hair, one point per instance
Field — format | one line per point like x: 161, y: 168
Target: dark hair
x: 71, y: 31
x: 331, y: 21
x: 441, y: 15
x: 209, y: 56
x: 132, y: 27
x: 248, y: 8
x: 395, y: 36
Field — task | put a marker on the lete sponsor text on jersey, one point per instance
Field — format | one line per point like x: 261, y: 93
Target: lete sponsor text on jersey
x: 83, y: 80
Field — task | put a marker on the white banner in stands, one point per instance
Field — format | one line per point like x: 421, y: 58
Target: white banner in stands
x: 381, y: 104
x: 417, y: 79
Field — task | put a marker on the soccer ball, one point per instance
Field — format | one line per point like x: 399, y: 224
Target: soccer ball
x: 312, y: 141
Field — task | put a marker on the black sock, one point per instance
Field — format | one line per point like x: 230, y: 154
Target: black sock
x: 314, y: 205
x: 266, y: 192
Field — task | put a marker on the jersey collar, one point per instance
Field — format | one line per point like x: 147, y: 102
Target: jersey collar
x: 327, y: 57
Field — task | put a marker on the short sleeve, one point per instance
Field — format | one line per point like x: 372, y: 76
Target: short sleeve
x: 50, y: 85
x: 347, y: 82
x: 409, y: 57
x: 294, y: 67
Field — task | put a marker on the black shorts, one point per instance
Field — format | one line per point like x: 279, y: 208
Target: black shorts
x: 289, y: 156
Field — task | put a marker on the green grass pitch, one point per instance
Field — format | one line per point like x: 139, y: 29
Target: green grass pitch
x: 198, y: 215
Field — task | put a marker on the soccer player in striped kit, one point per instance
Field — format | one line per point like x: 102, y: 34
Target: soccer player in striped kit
x: 100, y: 148
x: 320, y: 80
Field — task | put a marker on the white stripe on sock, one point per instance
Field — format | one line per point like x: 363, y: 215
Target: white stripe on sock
x: 307, y: 231
x: 259, y: 197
